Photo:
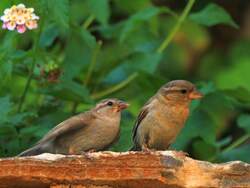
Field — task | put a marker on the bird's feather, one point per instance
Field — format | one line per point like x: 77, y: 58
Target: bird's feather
x: 72, y: 124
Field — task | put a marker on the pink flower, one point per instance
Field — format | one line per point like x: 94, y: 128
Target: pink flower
x: 31, y: 24
x: 11, y: 25
x: 20, y: 18
x: 4, y: 26
x: 21, y: 28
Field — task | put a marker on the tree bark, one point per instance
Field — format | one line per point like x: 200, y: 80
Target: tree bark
x: 125, y: 170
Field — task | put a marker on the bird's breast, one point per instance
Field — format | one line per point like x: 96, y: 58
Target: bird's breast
x: 169, y: 123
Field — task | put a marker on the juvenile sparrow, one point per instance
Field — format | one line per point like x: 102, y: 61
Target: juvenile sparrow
x: 163, y: 116
x: 94, y: 130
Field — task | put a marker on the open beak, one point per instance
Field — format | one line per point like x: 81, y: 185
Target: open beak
x: 195, y: 95
x: 122, y: 105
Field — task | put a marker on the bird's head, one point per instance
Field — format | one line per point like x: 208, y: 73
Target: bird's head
x: 180, y: 91
x: 111, y: 107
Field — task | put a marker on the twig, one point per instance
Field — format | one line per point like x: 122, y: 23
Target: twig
x: 28, y: 82
x: 114, y: 88
x: 183, y: 16
x: 89, y: 72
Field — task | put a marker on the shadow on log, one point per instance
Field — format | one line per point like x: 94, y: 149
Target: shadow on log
x: 125, y: 170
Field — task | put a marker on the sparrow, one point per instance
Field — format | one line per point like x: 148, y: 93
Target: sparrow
x: 93, y: 130
x: 163, y: 116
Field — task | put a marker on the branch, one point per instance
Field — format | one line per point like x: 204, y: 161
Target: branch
x: 129, y: 169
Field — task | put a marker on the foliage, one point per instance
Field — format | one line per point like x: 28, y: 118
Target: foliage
x: 86, y: 50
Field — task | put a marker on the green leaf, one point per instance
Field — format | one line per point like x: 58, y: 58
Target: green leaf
x: 5, y: 108
x: 144, y: 62
x: 7, y: 131
x: 48, y: 35
x: 224, y: 141
x: 141, y: 16
x: 100, y: 9
x: 78, y: 53
x: 240, y: 94
x: 244, y: 122
x: 124, y: 143
x: 12, y: 146
x: 19, y: 118
x: 212, y: 15
x: 87, y: 38
x: 235, y: 76
x: 202, y: 150
x: 59, y: 12
x: 33, y: 131
x: 241, y: 153
x: 128, y: 7
x: 8, y: 42
x: 70, y: 90
x: 200, y: 124
x: 5, y: 71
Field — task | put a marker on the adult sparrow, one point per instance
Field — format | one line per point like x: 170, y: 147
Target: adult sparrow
x: 163, y: 116
x: 94, y: 130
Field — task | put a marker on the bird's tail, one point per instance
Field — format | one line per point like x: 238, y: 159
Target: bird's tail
x: 36, y: 150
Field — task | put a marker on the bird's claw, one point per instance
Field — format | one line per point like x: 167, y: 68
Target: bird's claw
x: 88, y: 155
x: 147, y: 150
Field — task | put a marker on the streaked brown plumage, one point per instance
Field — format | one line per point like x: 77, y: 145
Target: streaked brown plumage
x: 94, y: 130
x: 164, y: 115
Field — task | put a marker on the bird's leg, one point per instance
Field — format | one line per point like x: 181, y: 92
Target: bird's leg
x: 91, y: 151
x: 71, y: 151
x: 146, y: 149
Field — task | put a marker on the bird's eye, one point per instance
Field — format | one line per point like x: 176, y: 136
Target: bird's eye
x: 183, y: 91
x: 110, y: 103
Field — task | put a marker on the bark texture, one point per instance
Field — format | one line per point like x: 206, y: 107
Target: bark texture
x: 125, y: 170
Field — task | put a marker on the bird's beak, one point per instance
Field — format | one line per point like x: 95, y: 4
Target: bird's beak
x: 195, y: 95
x: 122, y: 105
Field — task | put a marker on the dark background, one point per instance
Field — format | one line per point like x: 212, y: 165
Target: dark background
x: 87, y: 50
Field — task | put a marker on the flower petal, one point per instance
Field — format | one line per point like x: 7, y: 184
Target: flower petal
x: 5, y: 18
x: 21, y: 5
x: 13, y: 8
x: 31, y: 24
x: 4, y: 26
x: 11, y: 25
x: 30, y: 10
x: 34, y: 17
x: 21, y: 28
x: 20, y: 20
x: 6, y: 11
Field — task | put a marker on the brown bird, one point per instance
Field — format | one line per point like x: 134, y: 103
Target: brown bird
x: 163, y: 116
x: 94, y: 130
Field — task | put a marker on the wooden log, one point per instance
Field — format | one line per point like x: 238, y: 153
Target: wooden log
x: 125, y: 170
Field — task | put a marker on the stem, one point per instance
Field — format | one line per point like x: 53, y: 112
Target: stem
x: 89, y: 72
x: 183, y: 16
x: 28, y: 82
x: 86, y: 24
x: 26, y: 88
x: 88, y: 21
x: 92, y: 63
x: 232, y: 146
x: 237, y: 143
x: 114, y: 88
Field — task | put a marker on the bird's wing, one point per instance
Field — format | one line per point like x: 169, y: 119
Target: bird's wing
x: 71, y: 124
x: 143, y: 113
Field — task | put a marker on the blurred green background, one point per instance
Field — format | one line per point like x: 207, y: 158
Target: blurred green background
x: 87, y: 50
